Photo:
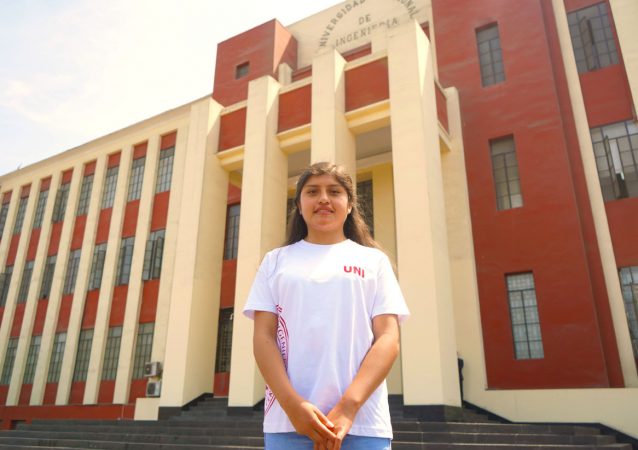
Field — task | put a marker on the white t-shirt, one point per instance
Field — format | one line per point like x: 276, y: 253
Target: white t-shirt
x: 325, y: 297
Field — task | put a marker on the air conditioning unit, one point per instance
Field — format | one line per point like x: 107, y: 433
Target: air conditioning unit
x: 153, y: 369
x: 153, y: 388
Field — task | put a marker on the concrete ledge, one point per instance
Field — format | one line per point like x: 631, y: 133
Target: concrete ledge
x: 433, y: 413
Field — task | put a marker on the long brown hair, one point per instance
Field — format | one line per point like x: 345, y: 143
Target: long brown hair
x: 354, y: 227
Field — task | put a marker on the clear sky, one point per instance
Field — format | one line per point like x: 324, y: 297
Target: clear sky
x: 75, y: 70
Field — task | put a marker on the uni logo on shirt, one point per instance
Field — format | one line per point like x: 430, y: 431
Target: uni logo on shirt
x: 356, y: 270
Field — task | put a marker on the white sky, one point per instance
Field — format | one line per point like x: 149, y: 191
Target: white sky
x: 75, y: 70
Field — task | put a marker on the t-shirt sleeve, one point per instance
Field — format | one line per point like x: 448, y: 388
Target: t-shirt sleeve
x: 388, y: 298
x: 260, y: 297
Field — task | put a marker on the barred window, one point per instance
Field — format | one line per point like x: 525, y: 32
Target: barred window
x: 629, y: 286
x: 32, y: 359
x: 490, y: 55
x: 616, y: 153
x: 505, y: 170
x: 5, y: 282
x: 61, y: 198
x: 23, y: 292
x: 153, y: 255
x: 111, y: 353
x: 110, y: 183
x: 366, y: 207
x: 22, y: 209
x: 4, y: 211
x: 83, y: 355
x: 143, y: 348
x: 85, y: 195
x: 47, y: 277
x: 592, y: 38
x: 165, y: 170
x: 39, y: 209
x: 224, y: 340
x: 137, y: 177
x: 124, y: 261
x: 9, y: 359
x: 97, y: 266
x: 232, y: 232
x: 71, y: 272
x: 57, y: 353
x: 526, y: 329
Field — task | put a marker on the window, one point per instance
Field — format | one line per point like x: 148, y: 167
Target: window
x: 629, y: 286
x: 110, y: 183
x: 490, y: 55
x: 4, y: 211
x: 505, y: 170
x: 22, y: 209
x: 592, y: 38
x: 364, y: 197
x: 83, y: 355
x: 137, y: 177
x: 153, y: 255
x: 112, y: 353
x: 32, y: 359
x: 5, y: 282
x: 39, y: 209
x: 526, y: 329
x: 242, y: 70
x: 232, y: 232
x: 59, y: 208
x: 165, y: 170
x: 224, y: 340
x: 23, y: 292
x: 97, y: 266
x: 85, y: 195
x: 616, y: 153
x: 71, y: 272
x: 9, y: 359
x: 47, y: 278
x: 143, y: 348
x: 57, y: 352
x: 124, y: 261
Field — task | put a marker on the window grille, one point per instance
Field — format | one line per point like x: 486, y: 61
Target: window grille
x: 629, y: 286
x: 526, y: 329
x: 224, y: 340
x: 32, y: 359
x: 22, y: 209
x: 59, y: 207
x: 85, y: 195
x: 23, y: 292
x: 112, y: 353
x: 83, y: 355
x: 71, y: 272
x: 5, y: 283
x: 39, y: 209
x: 9, y: 359
x: 124, y: 261
x: 165, y: 170
x: 47, y: 278
x: 136, y: 179
x: 592, y: 38
x: 4, y: 211
x: 57, y: 353
x: 505, y: 171
x: 143, y: 348
x: 97, y: 266
x: 110, y: 183
x: 490, y: 55
x: 153, y: 256
x: 366, y: 206
x: 232, y: 232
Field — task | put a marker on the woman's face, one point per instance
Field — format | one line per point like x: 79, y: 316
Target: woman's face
x: 324, y: 207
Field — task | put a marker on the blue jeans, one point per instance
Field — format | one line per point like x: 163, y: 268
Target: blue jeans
x: 294, y: 441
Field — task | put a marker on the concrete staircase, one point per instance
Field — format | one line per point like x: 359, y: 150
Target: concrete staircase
x: 207, y: 426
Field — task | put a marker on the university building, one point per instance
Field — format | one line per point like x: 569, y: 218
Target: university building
x: 495, y: 148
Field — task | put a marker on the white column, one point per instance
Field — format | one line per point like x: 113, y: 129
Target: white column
x: 191, y: 336
x: 55, y: 296
x: 625, y: 15
x: 261, y: 228
x: 134, y: 294
x: 103, y: 313
x: 331, y: 139
x: 601, y: 226
x: 430, y: 375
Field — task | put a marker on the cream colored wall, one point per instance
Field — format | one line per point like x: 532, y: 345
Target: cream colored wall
x: 625, y: 14
x: 430, y: 375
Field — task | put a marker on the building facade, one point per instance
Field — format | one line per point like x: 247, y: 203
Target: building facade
x: 495, y: 149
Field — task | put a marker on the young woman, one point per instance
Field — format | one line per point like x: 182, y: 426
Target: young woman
x: 327, y: 308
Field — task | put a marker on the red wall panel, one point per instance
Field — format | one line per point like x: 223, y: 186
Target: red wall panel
x: 130, y: 218
x: 232, y: 129
x: 295, y: 108
x: 367, y: 84
x: 118, y: 305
